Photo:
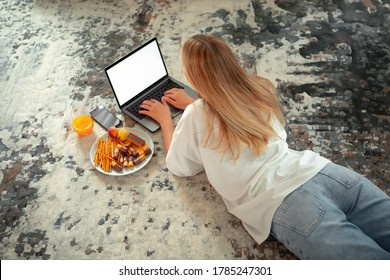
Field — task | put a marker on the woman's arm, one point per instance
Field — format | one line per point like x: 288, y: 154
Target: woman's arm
x: 159, y: 111
x: 167, y: 132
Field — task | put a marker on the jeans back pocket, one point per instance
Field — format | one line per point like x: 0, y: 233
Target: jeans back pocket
x: 342, y: 175
x: 300, y: 212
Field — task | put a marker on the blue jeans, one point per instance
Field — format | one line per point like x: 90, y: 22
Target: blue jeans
x: 338, y: 214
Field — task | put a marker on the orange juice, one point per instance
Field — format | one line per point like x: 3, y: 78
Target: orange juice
x: 83, y: 125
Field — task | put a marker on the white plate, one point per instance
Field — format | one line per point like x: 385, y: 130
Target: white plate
x: 125, y: 171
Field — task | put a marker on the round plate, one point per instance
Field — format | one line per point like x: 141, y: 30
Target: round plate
x: 125, y: 171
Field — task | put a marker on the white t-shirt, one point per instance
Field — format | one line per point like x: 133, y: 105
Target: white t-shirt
x: 252, y: 187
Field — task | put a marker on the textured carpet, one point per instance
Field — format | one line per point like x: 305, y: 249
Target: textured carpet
x: 330, y: 60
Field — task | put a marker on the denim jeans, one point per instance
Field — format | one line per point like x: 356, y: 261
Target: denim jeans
x: 338, y: 214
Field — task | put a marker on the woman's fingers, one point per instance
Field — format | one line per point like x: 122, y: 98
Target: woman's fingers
x: 178, y: 98
x: 155, y: 109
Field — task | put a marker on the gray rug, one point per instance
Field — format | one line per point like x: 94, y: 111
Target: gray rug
x: 330, y: 60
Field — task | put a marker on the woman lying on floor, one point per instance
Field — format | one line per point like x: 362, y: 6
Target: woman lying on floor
x: 234, y: 132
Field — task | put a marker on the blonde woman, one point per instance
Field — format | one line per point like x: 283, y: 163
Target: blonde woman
x: 234, y: 132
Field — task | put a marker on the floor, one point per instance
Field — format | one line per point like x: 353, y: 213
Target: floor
x: 329, y: 59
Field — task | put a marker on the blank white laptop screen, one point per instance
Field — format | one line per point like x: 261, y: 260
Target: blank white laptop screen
x: 137, y: 72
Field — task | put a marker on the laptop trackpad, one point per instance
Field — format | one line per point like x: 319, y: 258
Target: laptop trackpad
x: 174, y: 110
x: 150, y: 124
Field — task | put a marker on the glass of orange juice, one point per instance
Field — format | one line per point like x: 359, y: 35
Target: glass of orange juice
x: 82, y: 122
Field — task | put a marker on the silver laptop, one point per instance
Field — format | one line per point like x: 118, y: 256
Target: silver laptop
x: 142, y: 75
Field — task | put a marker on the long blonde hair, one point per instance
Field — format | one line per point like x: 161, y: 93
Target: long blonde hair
x: 243, y: 104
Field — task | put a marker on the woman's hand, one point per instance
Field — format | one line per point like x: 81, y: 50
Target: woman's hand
x: 177, y: 98
x: 158, y: 111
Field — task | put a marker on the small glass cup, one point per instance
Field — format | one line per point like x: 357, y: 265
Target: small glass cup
x: 82, y: 122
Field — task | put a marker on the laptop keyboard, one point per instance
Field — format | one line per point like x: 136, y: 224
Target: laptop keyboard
x: 157, y: 94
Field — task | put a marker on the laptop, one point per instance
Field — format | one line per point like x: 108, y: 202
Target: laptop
x: 142, y: 75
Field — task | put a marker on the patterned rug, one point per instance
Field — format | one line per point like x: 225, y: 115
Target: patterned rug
x: 329, y: 59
